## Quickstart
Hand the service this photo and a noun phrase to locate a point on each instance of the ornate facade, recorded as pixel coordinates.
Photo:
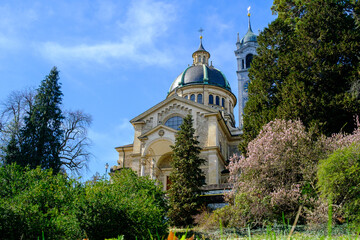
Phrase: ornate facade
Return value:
(202, 91)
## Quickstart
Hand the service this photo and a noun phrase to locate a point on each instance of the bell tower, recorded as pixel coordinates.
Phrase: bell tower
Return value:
(245, 50)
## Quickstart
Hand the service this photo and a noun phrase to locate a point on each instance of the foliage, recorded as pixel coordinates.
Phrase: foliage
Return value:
(36, 201)
(128, 205)
(276, 175)
(186, 177)
(74, 143)
(339, 179)
(306, 68)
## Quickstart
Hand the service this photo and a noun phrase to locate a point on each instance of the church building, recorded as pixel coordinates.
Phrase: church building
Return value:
(202, 91)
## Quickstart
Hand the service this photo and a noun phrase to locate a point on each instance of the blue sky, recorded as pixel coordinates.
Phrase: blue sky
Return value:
(117, 58)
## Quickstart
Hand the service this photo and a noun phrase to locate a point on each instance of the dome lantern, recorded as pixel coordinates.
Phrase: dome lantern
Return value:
(201, 56)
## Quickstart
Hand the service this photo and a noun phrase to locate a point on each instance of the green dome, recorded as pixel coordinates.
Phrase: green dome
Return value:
(200, 75)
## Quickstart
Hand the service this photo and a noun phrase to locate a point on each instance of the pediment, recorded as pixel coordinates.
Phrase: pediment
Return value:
(157, 129)
(184, 104)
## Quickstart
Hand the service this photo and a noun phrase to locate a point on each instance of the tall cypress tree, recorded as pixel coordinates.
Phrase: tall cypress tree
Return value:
(42, 133)
(307, 63)
(186, 176)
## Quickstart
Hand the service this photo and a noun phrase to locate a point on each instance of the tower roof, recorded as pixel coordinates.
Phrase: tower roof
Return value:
(250, 35)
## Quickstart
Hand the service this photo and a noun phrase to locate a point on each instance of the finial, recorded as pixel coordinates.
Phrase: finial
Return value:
(200, 31)
(238, 37)
(248, 11)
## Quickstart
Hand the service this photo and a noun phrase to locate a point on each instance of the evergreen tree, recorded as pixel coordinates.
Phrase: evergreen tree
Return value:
(307, 63)
(11, 152)
(186, 177)
(42, 132)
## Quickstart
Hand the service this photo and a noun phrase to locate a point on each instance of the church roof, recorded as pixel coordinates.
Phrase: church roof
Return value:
(201, 74)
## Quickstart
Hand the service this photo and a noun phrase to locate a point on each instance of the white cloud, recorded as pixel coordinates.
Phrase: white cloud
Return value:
(12, 23)
(215, 23)
(103, 52)
(145, 21)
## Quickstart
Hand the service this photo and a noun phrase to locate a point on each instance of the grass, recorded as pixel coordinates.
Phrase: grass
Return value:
(279, 232)
(269, 233)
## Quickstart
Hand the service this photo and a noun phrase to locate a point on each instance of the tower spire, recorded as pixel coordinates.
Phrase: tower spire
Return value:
(248, 9)
(201, 46)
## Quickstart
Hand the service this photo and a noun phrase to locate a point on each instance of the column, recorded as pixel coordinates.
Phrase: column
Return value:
(142, 169)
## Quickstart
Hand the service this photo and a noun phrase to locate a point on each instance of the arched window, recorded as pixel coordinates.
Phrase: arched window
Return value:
(174, 122)
(249, 59)
(192, 97)
(203, 59)
(217, 100)
(211, 99)
(199, 98)
(186, 97)
(223, 102)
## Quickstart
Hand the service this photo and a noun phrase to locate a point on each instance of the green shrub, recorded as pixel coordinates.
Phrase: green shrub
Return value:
(339, 179)
(128, 205)
(36, 201)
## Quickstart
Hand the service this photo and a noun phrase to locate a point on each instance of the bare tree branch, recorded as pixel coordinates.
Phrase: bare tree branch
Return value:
(74, 148)
(73, 151)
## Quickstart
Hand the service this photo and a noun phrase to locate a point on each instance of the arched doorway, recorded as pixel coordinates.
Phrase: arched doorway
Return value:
(164, 170)
(158, 154)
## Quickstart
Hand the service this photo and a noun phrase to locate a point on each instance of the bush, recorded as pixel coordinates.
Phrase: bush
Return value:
(128, 205)
(279, 173)
(275, 177)
(339, 179)
(36, 202)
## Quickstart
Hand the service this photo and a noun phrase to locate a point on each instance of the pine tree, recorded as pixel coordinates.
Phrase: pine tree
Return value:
(307, 62)
(11, 152)
(186, 177)
(42, 133)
